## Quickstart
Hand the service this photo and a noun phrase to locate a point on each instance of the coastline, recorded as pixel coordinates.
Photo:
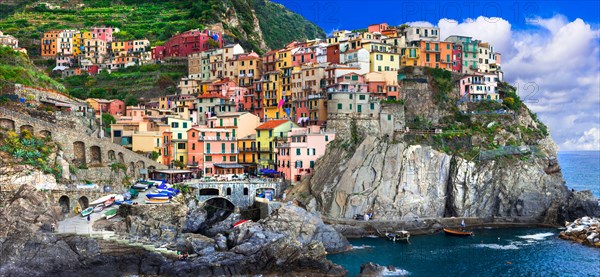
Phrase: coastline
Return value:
(350, 228)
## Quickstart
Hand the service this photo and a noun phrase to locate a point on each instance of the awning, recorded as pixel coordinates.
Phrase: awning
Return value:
(228, 166)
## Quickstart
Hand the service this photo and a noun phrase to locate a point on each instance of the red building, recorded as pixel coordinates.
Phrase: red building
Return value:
(116, 107)
(93, 69)
(189, 42)
(456, 57)
(333, 54)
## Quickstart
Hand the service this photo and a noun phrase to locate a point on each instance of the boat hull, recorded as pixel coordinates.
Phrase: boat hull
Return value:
(157, 201)
(457, 233)
(87, 212)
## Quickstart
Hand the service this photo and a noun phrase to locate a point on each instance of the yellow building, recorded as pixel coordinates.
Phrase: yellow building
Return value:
(118, 47)
(267, 136)
(284, 58)
(249, 68)
(410, 56)
(382, 58)
(247, 149)
(271, 89)
(179, 129)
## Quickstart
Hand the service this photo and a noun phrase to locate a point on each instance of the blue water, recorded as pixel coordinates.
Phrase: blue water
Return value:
(504, 252)
(491, 252)
(581, 170)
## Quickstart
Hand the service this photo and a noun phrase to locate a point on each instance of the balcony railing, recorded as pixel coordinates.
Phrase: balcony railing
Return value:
(210, 138)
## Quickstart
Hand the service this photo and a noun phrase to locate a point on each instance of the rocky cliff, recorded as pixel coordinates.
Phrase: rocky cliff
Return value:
(500, 167)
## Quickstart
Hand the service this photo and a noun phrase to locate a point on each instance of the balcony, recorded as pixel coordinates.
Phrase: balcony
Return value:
(315, 96)
(432, 50)
(446, 61)
(207, 138)
(307, 88)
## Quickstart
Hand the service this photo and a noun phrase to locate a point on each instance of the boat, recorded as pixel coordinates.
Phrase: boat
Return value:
(128, 202)
(102, 199)
(134, 193)
(110, 213)
(87, 211)
(140, 186)
(451, 232)
(99, 208)
(109, 202)
(241, 222)
(398, 236)
(162, 196)
(157, 201)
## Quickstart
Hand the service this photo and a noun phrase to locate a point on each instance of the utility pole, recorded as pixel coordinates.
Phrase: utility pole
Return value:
(101, 131)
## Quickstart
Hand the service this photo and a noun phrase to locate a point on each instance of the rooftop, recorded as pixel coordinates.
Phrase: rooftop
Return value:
(272, 124)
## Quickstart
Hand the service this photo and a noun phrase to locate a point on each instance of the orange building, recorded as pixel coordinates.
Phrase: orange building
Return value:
(435, 54)
(49, 43)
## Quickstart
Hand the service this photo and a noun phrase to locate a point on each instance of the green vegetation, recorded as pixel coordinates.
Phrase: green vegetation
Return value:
(15, 67)
(441, 83)
(118, 167)
(159, 20)
(30, 150)
(128, 84)
(511, 99)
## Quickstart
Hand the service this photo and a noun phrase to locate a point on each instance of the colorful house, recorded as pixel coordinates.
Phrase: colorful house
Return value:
(213, 151)
(241, 124)
(435, 54)
(267, 136)
(49, 43)
(479, 87)
(179, 128)
(248, 153)
(296, 157)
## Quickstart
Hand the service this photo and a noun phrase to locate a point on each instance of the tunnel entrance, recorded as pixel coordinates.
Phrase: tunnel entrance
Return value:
(217, 209)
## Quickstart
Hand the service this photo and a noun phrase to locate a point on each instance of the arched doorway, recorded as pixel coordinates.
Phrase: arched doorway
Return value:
(64, 203)
(111, 155)
(79, 152)
(84, 202)
(209, 191)
(8, 124)
(131, 169)
(46, 133)
(121, 158)
(96, 155)
(28, 128)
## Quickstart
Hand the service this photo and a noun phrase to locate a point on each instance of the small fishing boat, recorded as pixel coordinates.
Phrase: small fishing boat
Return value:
(162, 196)
(102, 199)
(451, 232)
(109, 202)
(140, 186)
(241, 222)
(398, 236)
(128, 202)
(110, 213)
(87, 211)
(157, 201)
(99, 208)
(134, 193)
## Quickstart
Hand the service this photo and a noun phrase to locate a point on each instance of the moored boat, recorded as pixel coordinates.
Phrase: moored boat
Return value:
(398, 236)
(87, 211)
(163, 196)
(110, 213)
(99, 208)
(109, 202)
(102, 199)
(452, 232)
(157, 201)
(241, 222)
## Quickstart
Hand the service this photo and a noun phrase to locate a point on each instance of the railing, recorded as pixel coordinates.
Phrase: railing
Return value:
(207, 138)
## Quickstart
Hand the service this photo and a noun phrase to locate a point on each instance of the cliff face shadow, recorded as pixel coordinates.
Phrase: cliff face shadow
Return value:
(217, 210)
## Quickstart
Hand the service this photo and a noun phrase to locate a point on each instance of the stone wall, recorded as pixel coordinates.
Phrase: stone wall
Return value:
(388, 121)
(79, 147)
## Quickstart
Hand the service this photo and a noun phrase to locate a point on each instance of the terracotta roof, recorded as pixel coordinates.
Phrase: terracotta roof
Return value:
(211, 95)
(272, 124)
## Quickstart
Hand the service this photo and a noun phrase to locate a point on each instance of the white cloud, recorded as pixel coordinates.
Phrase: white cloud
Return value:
(590, 140)
(556, 66)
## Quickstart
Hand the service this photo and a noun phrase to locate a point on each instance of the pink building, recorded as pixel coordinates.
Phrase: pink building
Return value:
(298, 155)
(213, 151)
(457, 53)
(377, 27)
(186, 43)
(105, 34)
(116, 107)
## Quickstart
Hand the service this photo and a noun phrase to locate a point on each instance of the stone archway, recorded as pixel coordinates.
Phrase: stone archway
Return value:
(26, 127)
(131, 169)
(79, 152)
(84, 202)
(140, 165)
(8, 124)
(209, 191)
(111, 155)
(46, 133)
(121, 158)
(96, 155)
(65, 204)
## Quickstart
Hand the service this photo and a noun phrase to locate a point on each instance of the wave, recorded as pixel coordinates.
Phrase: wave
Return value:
(498, 246)
(395, 272)
(357, 247)
(538, 236)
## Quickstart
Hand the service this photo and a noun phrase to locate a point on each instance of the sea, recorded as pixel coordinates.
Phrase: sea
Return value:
(492, 251)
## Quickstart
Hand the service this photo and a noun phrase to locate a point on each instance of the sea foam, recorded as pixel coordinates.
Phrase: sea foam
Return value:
(396, 272)
(358, 247)
(498, 246)
(538, 236)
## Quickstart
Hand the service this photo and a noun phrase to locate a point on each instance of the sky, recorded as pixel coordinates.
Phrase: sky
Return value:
(550, 49)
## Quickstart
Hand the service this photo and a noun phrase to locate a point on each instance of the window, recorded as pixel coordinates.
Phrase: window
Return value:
(389, 117)
(359, 108)
(233, 148)
(208, 148)
(179, 136)
(326, 138)
(174, 125)
(312, 164)
(224, 158)
(235, 122)
(209, 158)
(193, 146)
(354, 77)
(339, 106)
(298, 152)
(245, 191)
(270, 133)
(223, 148)
(181, 146)
(221, 122)
(184, 125)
